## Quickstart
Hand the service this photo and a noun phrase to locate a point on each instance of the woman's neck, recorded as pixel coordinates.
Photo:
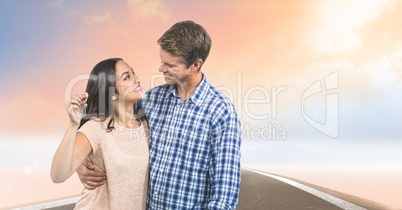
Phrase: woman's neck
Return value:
(124, 116)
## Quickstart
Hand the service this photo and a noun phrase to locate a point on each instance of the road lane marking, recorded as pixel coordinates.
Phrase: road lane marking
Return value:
(327, 197)
(50, 204)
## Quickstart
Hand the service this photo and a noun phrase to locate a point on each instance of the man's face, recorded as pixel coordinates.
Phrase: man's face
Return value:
(174, 71)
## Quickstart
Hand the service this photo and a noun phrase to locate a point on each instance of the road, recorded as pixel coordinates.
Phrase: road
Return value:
(263, 191)
(259, 192)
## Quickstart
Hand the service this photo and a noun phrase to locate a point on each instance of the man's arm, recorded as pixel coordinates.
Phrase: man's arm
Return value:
(89, 176)
(225, 163)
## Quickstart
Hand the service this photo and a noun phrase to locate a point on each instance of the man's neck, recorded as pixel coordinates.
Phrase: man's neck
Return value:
(186, 89)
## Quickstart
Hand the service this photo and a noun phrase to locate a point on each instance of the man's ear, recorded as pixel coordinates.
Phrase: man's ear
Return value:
(197, 65)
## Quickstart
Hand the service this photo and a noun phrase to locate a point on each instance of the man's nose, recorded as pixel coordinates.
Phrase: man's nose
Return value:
(162, 68)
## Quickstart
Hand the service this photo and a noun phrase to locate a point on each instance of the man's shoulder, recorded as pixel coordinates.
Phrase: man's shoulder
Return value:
(219, 99)
(159, 89)
(158, 92)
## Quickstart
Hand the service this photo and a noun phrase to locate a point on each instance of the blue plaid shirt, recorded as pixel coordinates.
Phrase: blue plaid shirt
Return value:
(194, 149)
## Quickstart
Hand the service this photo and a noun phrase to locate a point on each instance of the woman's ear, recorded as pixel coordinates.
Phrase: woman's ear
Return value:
(114, 98)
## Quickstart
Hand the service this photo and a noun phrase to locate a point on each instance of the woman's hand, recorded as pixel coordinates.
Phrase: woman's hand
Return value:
(74, 147)
(76, 106)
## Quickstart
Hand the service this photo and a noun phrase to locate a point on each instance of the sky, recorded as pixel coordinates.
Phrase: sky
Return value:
(319, 81)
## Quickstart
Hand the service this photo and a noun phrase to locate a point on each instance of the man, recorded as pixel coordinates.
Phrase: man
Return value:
(195, 132)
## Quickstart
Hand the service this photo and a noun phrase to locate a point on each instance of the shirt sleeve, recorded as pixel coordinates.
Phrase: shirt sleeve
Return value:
(225, 162)
(92, 130)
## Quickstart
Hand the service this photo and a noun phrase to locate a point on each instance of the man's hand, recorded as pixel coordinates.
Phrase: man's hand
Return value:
(90, 176)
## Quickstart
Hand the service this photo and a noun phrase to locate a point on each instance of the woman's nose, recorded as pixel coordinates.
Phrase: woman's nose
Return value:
(136, 79)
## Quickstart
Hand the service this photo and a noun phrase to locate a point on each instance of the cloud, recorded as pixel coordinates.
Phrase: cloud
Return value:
(396, 64)
(339, 23)
(59, 4)
(146, 9)
(382, 73)
(98, 19)
(55, 3)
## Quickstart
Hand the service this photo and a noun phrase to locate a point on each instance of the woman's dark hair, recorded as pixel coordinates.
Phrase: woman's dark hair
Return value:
(100, 88)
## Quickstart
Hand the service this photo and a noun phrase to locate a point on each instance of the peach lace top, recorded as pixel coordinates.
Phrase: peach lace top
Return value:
(124, 154)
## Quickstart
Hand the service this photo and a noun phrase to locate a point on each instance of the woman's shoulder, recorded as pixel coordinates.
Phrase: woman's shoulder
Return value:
(94, 124)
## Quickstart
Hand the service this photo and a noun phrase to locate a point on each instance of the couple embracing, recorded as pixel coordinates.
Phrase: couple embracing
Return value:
(177, 146)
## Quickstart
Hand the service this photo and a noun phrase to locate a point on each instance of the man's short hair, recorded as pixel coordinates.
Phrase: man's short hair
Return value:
(187, 40)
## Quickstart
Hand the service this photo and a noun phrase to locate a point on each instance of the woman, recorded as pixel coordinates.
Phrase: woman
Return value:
(109, 135)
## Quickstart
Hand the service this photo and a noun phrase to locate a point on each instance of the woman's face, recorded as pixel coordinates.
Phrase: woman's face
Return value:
(127, 84)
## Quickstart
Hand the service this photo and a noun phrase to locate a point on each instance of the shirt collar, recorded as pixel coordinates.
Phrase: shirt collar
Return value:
(197, 96)
(171, 91)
